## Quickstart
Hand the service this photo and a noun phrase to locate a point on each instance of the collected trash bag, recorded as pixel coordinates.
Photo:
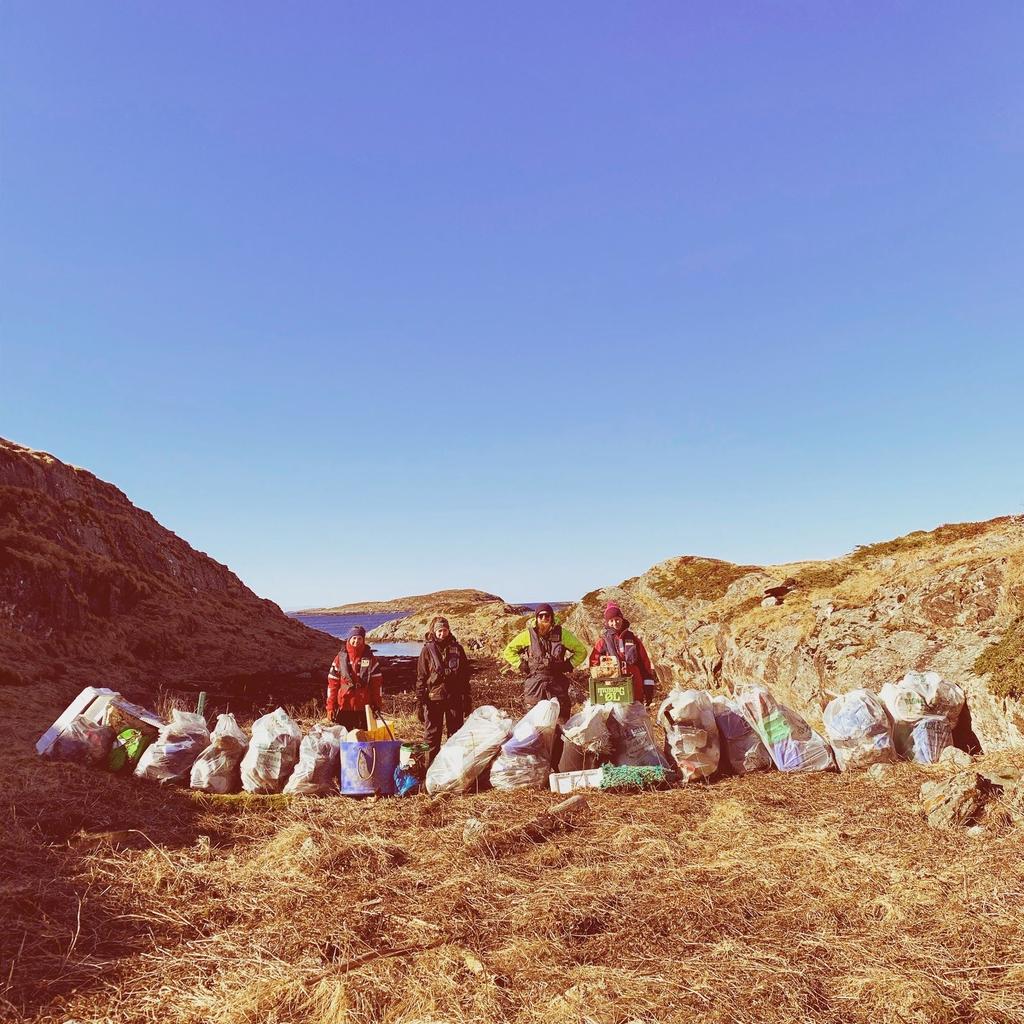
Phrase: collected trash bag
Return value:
(521, 771)
(691, 735)
(272, 754)
(469, 752)
(317, 772)
(741, 748)
(923, 693)
(168, 760)
(216, 769)
(587, 739)
(858, 729)
(83, 741)
(535, 731)
(633, 741)
(793, 745)
(923, 741)
(525, 758)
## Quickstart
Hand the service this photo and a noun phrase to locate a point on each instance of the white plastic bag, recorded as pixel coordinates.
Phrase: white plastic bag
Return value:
(83, 741)
(691, 735)
(525, 758)
(316, 774)
(793, 745)
(633, 741)
(919, 694)
(923, 741)
(273, 751)
(742, 748)
(170, 758)
(216, 769)
(587, 740)
(468, 753)
(858, 729)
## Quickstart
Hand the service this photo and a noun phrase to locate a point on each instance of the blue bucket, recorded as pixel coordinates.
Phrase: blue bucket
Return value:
(369, 768)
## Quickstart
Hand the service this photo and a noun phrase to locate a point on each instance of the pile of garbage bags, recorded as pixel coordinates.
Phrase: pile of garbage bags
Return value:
(704, 735)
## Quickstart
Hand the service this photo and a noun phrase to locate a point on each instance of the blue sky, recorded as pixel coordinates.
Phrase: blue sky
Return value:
(370, 299)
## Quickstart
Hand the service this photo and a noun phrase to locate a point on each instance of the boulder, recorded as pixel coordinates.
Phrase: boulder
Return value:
(953, 802)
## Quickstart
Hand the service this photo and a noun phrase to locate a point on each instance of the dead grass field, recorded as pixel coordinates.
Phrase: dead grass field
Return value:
(767, 898)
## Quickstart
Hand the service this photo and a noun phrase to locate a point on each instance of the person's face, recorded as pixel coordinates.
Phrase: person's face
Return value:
(544, 620)
(441, 631)
(356, 643)
(617, 622)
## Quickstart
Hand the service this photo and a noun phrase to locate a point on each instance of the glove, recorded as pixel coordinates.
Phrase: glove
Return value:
(421, 713)
(524, 666)
(649, 686)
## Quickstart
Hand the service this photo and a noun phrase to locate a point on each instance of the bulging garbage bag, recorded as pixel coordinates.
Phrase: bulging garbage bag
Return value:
(793, 745)
(742, 749)
(525, 758)
(317, 772)
(521, 771)
(691, 735)
(923, 693)
(923, 741)
(535, 731)
(216, 769)
(169, 759)
(469, 752)
(858, 729)
(83, 741)
(633, 741)
(587, 740)
(272, 754)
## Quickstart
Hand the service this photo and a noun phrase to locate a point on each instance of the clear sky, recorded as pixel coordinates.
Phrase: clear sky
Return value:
(371, 299)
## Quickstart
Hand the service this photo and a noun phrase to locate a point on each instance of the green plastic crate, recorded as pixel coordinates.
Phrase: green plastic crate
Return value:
(618, 690)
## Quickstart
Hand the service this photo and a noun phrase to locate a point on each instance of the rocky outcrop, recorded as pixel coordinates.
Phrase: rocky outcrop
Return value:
(948, 600)
(95, 591)
(483, 628)
(457, 600)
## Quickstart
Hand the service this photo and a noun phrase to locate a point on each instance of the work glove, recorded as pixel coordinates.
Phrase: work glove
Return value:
(421, 713)
(649, 687)
(524, 666)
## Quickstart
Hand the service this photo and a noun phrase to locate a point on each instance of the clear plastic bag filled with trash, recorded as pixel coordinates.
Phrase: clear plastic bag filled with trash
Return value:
(525, 758)
(742, 749)
(216, 769)
(858, 728)
(169, 759)
(317, 771)
(470, 751)
(273, 753)
(691, 735)
(793, 745)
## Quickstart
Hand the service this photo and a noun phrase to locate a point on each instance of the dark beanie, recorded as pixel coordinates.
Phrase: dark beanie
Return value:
(356, 631)
(545, 608)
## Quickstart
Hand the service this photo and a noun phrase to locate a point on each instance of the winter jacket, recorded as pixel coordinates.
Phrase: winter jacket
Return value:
(442, 674)
(529, 647)
(634, 660)
(351, 686)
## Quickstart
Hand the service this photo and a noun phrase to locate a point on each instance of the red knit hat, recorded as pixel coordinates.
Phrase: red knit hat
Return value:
(612, 611)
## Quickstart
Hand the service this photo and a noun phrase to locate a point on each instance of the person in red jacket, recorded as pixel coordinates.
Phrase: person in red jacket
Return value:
(619, 640)
(354, 682)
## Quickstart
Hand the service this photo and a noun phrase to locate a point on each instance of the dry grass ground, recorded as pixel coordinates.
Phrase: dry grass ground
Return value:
(767, 898)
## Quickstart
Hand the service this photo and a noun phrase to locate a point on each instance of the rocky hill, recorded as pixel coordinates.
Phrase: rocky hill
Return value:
(458, 600)
(95, 591)
(950, 600)
(483, 628)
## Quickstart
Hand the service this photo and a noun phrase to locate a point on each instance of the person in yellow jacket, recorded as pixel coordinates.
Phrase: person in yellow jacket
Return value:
(546, 653)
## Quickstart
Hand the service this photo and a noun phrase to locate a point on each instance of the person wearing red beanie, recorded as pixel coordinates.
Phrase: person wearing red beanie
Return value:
(620, 641)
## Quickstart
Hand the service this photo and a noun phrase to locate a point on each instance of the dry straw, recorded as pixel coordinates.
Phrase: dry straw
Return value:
(761, 899)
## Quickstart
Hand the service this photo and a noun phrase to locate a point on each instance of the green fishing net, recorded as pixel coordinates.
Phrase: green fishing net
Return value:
(628, 776)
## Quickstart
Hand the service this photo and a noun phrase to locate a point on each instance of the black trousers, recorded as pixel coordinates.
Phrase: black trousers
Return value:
(542, 687)
(441, 715)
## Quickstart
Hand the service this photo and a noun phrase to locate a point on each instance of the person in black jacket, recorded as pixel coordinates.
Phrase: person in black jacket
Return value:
(442, 684)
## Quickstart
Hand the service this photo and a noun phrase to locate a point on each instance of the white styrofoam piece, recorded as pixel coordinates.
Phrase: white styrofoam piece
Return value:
(566, 782)
(91, 702)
